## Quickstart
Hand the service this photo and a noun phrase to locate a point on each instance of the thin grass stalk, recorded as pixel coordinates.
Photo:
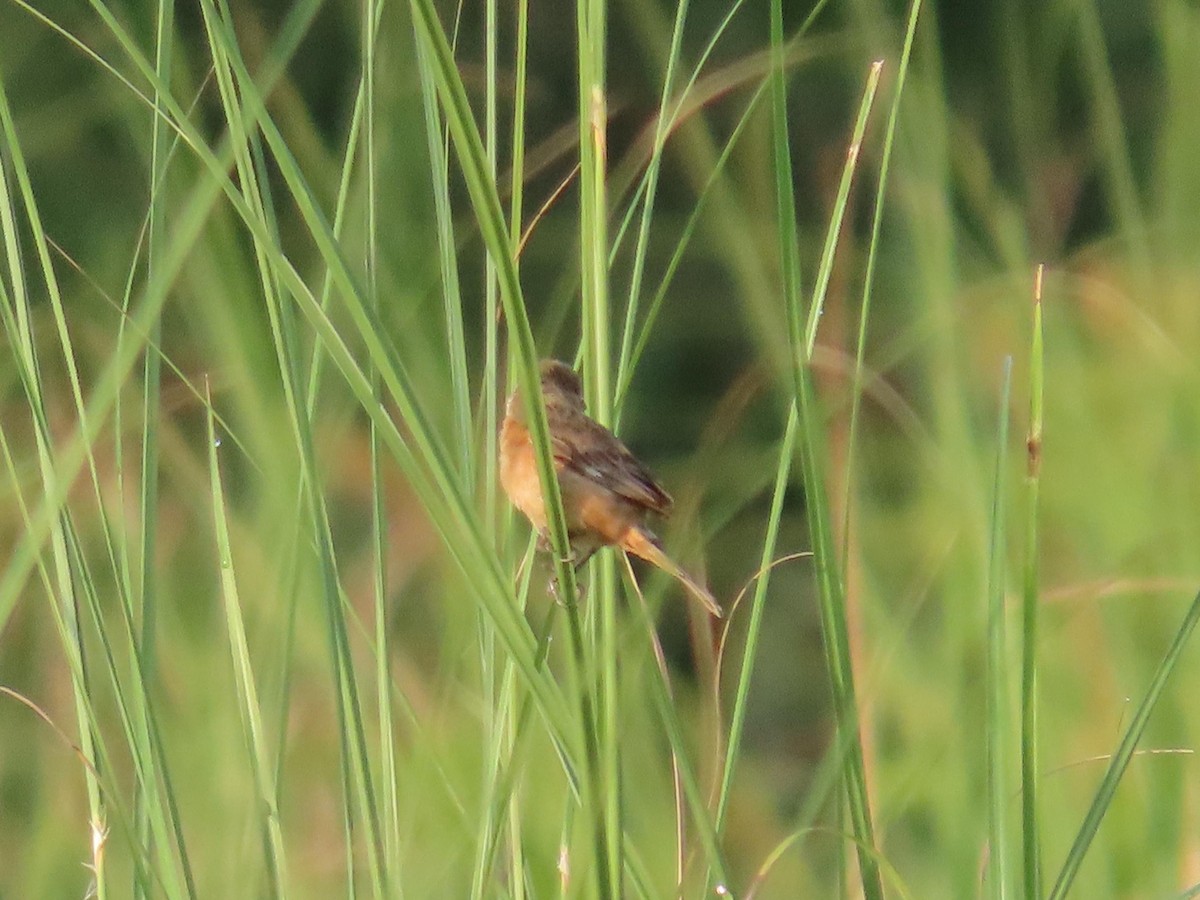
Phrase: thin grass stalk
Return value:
(249, 708)
(649, 191)
(151, 387)
(664, 675)
(697, 93)
(741, 695)
(345, 182)
(99, 834)
(831, 595)
(100, 837)
(174, 876)
(831, 591)
(664, 125)
(507, 775)
(315, 369)
(1123, 754)
(487, 208)
(593, 215)
(75, 453)
(41, 247)
(390, 802)
(495, 718)
(189, 222)
(714, 180)
(885, 165)
(997, 723)
(512, 743)
(88, 52)
(419, 452)
(434, 485)
(593, 237)
(452, 312)
(816, 309)
(1030, 828)
(688, 779)
(356, 767)
(591, 789)
(825, 266)
(686, 234)
(63, 595)
(500, 809)
(317, 358)
(147, 587)
(136, 713)
(514, 727)
(356, 763)
(820, 290)
(92, 749)
(632, 349)
(516, 187)
(491, 286)
(106, 386)
(221, 49)
(737, 248)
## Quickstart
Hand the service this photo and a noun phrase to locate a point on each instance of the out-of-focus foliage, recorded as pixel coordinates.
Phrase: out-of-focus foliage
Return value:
(1057, 133)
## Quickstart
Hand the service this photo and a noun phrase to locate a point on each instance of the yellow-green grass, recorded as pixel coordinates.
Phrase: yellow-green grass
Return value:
(267, 627)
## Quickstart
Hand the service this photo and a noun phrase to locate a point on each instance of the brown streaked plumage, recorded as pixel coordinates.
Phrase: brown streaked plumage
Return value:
(607, 493)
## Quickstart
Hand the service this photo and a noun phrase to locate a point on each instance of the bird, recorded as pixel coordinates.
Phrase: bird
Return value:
(607, 492)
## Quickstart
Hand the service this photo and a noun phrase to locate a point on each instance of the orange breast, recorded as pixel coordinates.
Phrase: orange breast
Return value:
(518, 473)
(595, 514)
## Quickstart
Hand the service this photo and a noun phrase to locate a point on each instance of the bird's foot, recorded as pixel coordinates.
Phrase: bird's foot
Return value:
(555, 589)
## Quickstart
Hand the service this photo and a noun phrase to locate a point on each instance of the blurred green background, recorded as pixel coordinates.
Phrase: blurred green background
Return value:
(1062, 133)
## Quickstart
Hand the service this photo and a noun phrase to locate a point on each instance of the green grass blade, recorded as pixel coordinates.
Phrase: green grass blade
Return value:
(686, 772)
(605, 789)
(831, 591)
(356, 766)
(648, 190)
(741, 695)
(452, 310)
(998, 729)
(1031, 831)
(76, 586)
(1123, 754)
(254, 732)
(482, 190)
(873, 245)
(825, 266)
(388, 761)
(424, 461)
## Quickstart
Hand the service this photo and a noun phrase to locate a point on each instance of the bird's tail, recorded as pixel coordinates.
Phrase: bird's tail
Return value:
(641, 543)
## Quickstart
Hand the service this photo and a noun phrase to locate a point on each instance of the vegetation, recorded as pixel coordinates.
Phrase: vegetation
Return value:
(899, 302)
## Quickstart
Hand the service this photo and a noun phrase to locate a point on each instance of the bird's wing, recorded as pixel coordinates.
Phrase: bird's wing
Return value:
(599, 456)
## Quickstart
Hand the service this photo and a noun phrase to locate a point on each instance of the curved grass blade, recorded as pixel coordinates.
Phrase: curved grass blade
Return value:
(1122, 756)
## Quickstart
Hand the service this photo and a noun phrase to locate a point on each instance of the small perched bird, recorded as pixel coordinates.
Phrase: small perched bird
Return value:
(606, 491)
